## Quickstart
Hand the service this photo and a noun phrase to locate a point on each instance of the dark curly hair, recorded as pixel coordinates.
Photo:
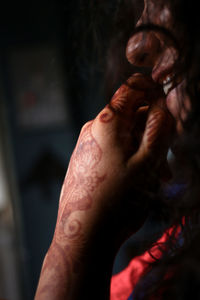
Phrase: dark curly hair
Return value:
(181, 257)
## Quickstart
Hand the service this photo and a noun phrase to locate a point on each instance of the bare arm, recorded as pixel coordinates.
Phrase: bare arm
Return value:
(96, 213)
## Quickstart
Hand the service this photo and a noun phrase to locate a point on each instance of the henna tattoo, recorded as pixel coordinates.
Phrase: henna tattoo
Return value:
(120, 98)
(81, 181)
(72, 229)
(56, 268)
(153, 129)
(153, 119)
(107, 116)
(131, 95)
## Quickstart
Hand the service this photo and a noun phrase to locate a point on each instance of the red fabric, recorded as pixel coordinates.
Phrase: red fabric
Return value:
(123, 283)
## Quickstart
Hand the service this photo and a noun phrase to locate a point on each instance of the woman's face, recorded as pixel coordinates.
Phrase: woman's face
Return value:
(156, 50)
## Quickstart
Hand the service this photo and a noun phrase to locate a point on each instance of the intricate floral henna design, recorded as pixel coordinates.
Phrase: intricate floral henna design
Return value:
(56, 259)
(120, 98)
(81, 180)
(72, 228)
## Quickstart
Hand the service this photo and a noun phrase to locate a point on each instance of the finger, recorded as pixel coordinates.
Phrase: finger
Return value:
(137, 91)
(138, 127)
(156, 138)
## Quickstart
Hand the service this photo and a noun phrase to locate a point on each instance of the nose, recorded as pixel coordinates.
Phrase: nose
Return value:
(143, 49)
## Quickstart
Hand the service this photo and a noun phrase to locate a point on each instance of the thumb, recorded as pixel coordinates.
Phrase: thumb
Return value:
(157, 136)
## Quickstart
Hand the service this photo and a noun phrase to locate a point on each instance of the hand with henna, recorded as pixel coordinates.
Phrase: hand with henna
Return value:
(118, 159)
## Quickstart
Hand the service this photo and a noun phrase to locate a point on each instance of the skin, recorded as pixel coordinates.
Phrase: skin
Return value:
(105, 173)
(153, 49)
(102, 200)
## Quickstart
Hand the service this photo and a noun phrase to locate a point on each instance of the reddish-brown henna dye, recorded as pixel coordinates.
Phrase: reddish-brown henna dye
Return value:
(152, 123)
(51, 272)
(120, 98)
(119, 103)
(153, 129)
(107, 116)
(151, 140)
(73, 228)
(129, 96)
(81, 180)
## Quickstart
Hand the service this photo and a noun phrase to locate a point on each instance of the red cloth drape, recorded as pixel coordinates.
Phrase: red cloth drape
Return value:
(123, 283)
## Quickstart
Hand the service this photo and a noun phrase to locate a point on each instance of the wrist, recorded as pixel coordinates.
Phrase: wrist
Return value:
(99, 226)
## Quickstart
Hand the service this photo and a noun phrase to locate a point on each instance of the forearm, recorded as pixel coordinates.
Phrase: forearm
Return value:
(80, 269)
(99, 206)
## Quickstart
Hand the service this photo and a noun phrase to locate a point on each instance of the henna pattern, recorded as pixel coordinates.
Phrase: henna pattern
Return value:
(153, 129)
(82, 179)
(72, 229)
(132, 95)
(76, 195)
(153, 119)
(120, 98)
(56, 259)
(107, 116)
